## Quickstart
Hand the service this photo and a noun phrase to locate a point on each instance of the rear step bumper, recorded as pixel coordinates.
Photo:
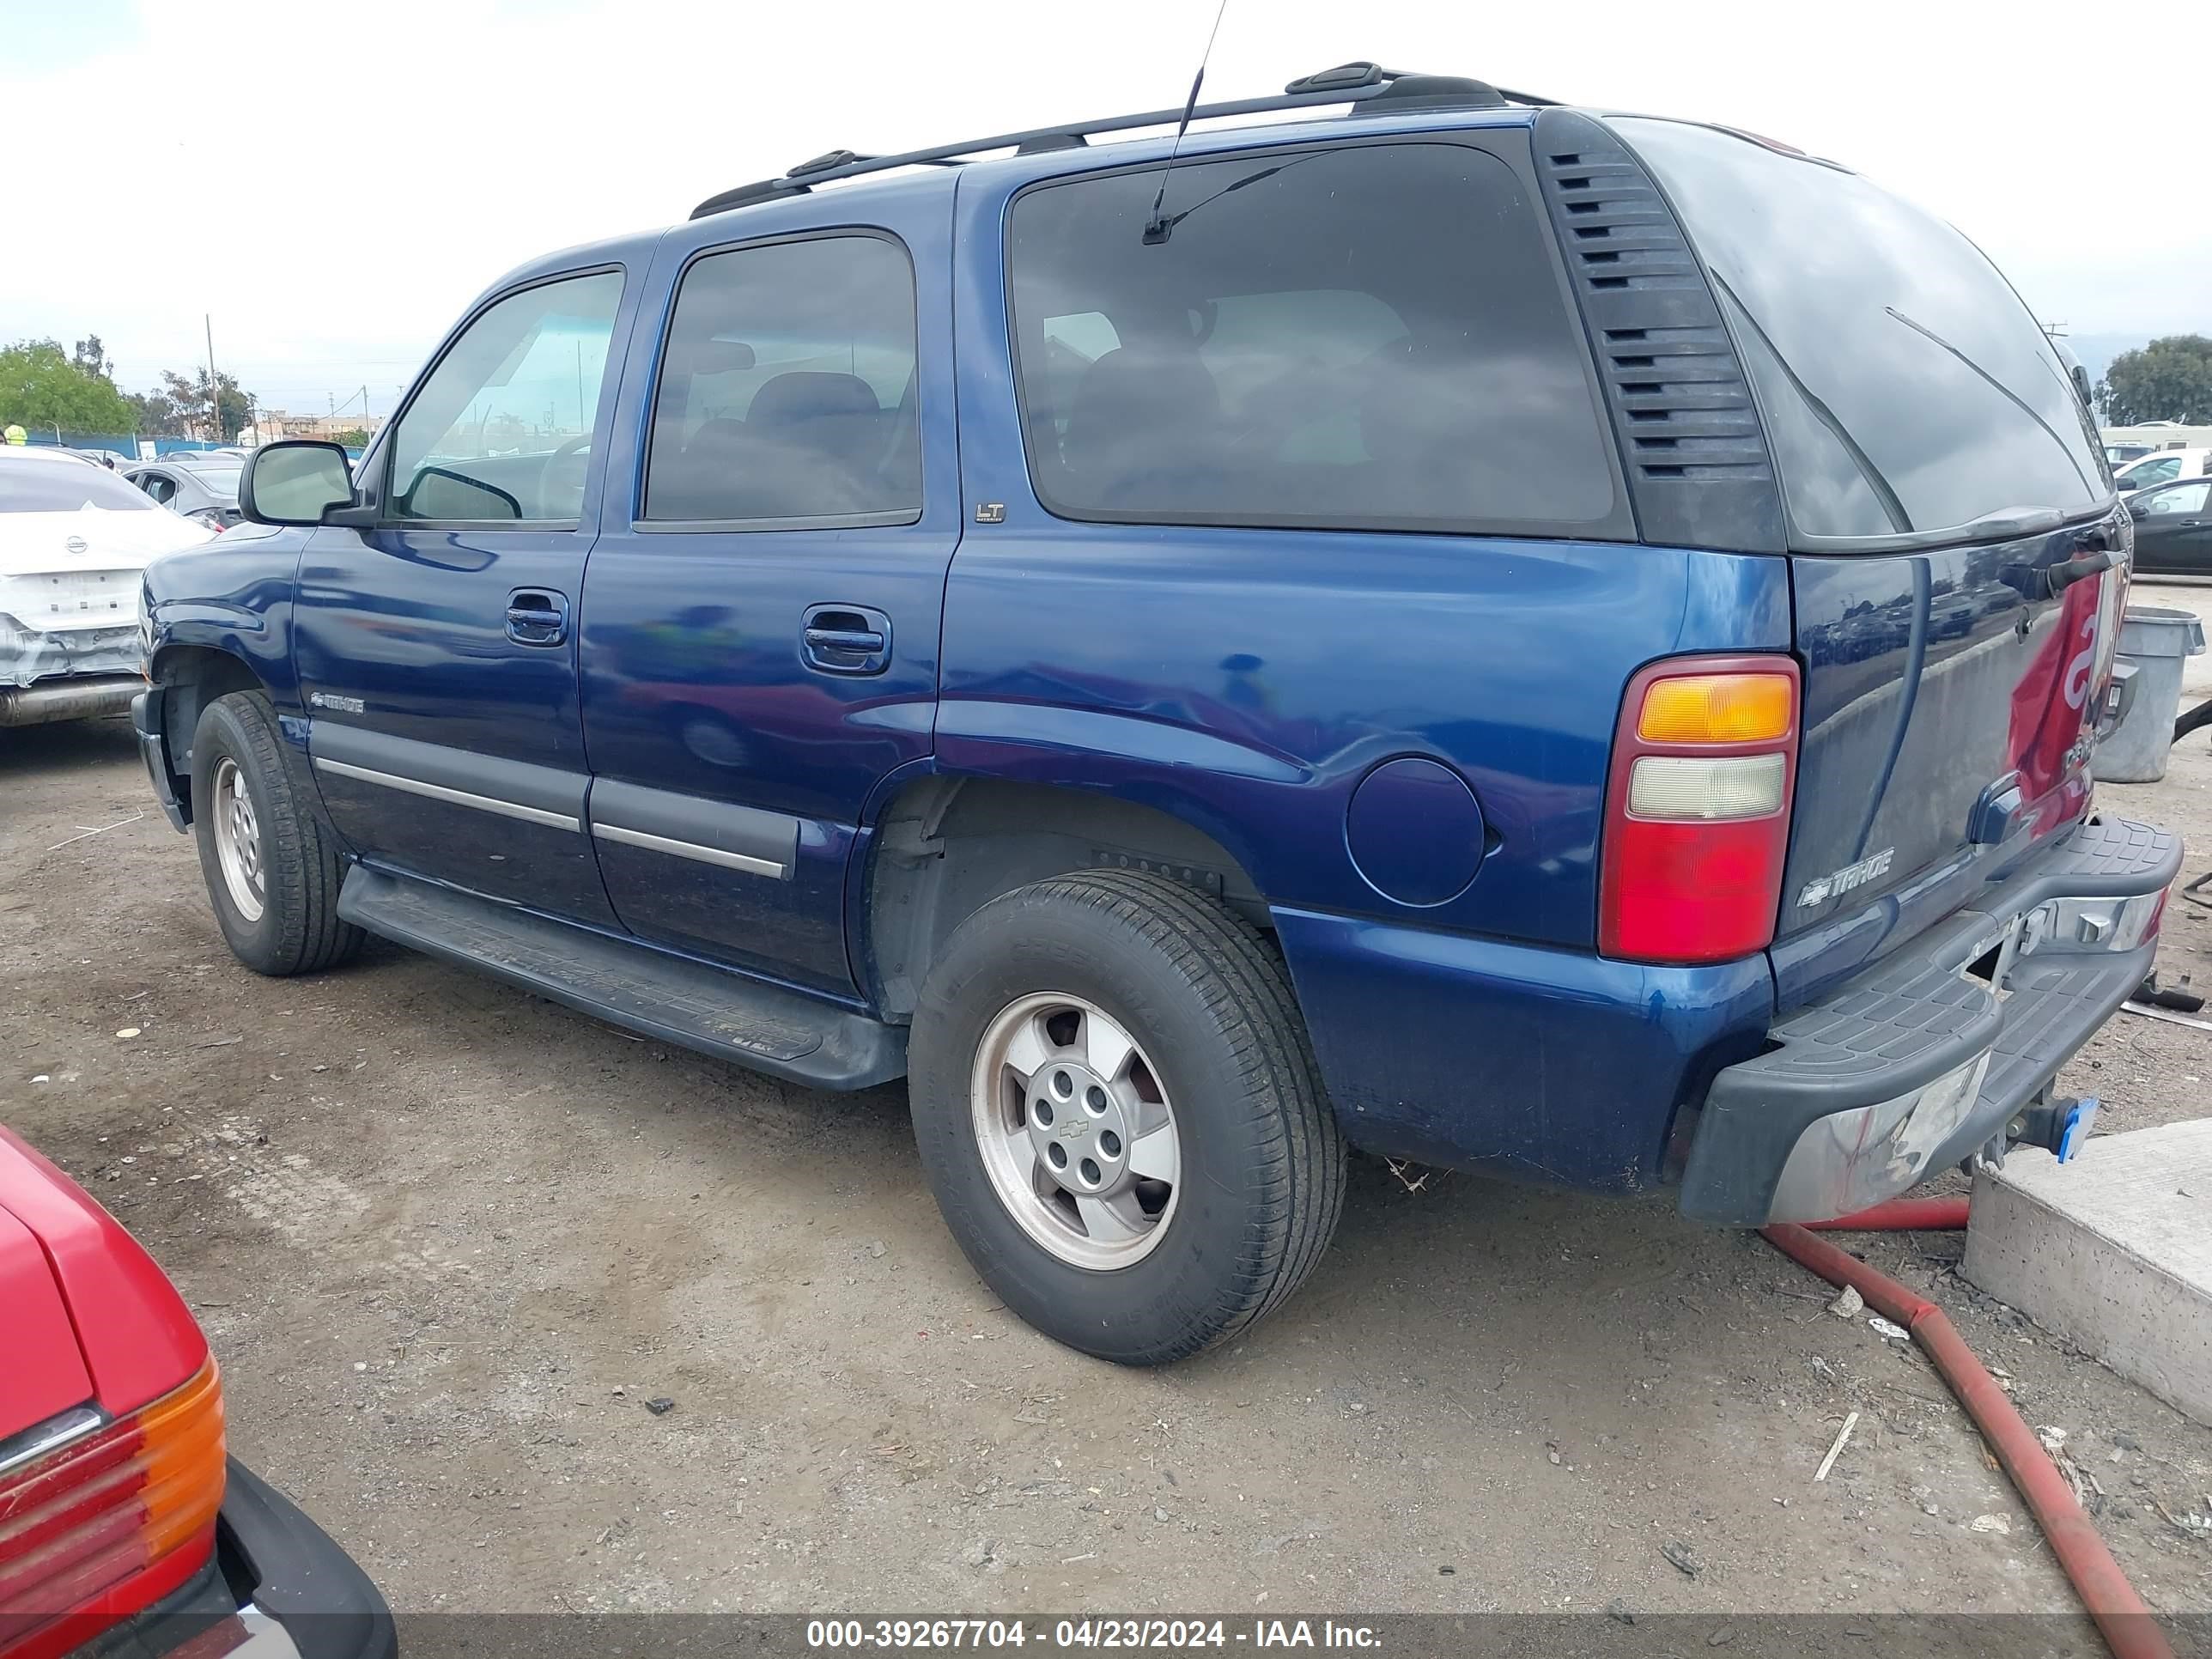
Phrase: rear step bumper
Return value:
(1925, 1058)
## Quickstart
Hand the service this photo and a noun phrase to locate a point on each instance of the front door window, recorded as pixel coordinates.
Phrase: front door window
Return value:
(501, 430)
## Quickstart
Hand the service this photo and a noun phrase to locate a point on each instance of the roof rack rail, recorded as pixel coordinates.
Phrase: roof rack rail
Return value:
(1354, 83)
(823, 163)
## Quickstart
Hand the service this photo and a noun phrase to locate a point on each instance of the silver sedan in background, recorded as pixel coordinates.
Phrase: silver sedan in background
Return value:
(202, 486)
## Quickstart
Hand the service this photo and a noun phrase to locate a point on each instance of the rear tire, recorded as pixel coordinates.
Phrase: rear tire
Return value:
(1200, 1184)
(272, 871)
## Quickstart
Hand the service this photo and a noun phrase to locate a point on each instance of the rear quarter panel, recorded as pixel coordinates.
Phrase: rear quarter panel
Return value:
(1247, 680)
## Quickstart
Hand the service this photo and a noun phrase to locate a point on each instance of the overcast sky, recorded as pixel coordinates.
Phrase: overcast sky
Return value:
(335, 183)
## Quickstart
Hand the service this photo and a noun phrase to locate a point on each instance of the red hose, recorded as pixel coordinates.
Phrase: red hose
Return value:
(1901, 1215)
(2130, 1629)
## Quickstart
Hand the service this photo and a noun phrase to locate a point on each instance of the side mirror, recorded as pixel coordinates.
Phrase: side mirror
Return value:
(296, 481)
(438, 493)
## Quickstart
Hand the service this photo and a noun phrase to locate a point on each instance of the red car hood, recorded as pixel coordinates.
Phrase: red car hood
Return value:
(90, 1316)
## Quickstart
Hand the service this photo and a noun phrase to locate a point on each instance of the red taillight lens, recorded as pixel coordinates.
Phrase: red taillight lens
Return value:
(82, 1528)
(1697, 810)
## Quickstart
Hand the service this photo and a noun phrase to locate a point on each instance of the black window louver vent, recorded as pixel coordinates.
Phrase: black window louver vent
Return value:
(1689, 430)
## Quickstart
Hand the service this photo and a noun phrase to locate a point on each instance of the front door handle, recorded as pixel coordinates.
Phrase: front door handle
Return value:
(845, 639)
(537, 615)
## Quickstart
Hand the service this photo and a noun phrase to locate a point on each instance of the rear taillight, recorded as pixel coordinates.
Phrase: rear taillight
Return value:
(1697, 810)
(99, 1529)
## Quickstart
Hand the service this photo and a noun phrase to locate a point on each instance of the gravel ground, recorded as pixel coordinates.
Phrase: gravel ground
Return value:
(449, 1241)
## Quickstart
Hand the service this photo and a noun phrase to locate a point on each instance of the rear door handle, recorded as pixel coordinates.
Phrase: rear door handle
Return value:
(537, 615)
(845, 639)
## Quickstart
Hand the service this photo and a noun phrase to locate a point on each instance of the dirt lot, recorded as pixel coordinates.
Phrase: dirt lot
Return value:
(448, 1240)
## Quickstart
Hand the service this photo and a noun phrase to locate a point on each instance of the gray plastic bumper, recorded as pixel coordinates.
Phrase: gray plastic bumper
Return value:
(1921, 1060)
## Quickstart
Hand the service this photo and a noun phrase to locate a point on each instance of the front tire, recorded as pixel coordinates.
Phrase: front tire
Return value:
(1117, 1109)
(272, 872)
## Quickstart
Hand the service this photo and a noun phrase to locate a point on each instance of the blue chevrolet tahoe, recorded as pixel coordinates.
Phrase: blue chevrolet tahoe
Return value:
(1554, 642)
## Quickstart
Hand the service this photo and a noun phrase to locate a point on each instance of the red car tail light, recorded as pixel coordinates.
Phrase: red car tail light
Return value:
(1697, 818)
(91, 1532)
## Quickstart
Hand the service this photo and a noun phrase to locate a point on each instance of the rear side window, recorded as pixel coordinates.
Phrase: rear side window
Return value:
(1372, 338)
(787, 389)
(1906, 388)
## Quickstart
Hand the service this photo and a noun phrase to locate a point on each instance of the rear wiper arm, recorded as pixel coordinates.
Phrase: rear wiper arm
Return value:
(2002, 390)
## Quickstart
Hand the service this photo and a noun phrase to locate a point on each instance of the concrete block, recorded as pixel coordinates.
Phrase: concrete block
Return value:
(2112, 1251)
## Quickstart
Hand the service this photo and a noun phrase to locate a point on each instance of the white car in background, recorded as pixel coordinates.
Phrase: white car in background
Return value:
(74, 538)
(2162, 466)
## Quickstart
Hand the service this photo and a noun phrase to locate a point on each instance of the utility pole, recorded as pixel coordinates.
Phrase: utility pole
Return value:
(215, 394)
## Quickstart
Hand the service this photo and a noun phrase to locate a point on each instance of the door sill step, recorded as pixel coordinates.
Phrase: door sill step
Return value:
(763, 1027)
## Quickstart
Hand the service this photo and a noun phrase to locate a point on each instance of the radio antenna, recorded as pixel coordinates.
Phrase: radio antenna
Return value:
(1159, 227)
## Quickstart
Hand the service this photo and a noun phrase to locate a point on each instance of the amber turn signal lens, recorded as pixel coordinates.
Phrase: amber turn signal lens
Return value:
(1716, 708)
(183, 1455)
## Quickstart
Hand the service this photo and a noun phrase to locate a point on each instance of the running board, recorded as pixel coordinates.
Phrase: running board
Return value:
(635, 986)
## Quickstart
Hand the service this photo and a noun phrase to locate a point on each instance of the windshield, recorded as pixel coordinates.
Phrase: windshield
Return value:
(1906, 388)
(43, 486)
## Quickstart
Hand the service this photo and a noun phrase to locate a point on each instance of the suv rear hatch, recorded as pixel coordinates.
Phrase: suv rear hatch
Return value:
(1950, 517)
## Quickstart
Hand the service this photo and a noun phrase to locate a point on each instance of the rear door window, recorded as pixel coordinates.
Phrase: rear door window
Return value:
(1366, 337)
(1906, 388)
(787, 389)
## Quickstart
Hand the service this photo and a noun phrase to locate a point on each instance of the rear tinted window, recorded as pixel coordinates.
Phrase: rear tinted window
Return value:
(787, 389)
(43, 486)
(1906, 387)
(1366, 337)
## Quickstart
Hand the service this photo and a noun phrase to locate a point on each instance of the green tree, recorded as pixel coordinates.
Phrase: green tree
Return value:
(2168, 379)
(188, 396)
(354, 437)
(42, 385)
(157, 417)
